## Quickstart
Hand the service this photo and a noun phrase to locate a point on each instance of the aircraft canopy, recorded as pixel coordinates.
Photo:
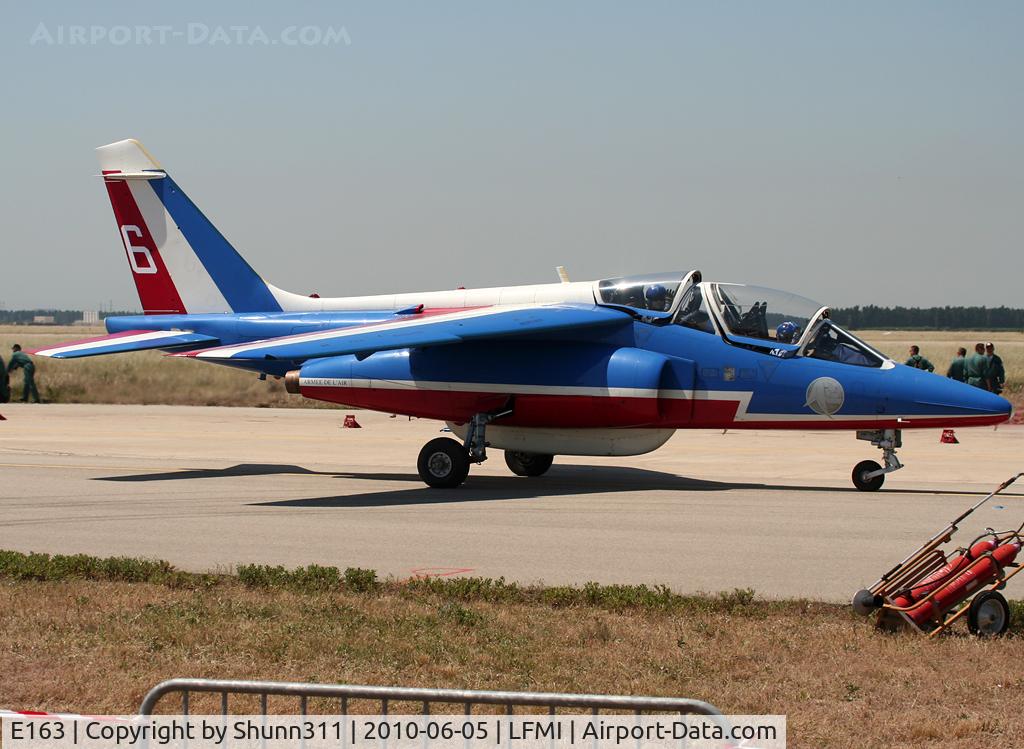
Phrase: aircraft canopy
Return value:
(655, 292)
(757, 312)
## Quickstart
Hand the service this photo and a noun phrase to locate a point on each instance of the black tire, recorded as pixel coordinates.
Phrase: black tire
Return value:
(867, 485)
(443, 463)
(989, 615)
(528, 464)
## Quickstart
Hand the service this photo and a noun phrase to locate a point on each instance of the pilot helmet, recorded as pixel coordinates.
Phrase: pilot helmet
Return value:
(655, 293)
(786, 332)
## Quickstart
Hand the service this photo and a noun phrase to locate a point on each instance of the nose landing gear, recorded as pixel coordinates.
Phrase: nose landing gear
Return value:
(868, 476)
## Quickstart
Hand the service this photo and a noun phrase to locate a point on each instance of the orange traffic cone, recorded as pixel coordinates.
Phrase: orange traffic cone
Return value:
(351, 423)
(948, 437)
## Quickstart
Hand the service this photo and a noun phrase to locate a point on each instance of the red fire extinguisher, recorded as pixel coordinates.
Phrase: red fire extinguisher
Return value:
(980, 572)
(941, 575)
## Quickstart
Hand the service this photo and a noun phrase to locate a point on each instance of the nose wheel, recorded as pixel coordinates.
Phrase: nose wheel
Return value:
(862, 471)
(868, 476)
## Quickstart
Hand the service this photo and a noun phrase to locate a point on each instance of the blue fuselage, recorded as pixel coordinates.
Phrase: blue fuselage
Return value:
(641, 374)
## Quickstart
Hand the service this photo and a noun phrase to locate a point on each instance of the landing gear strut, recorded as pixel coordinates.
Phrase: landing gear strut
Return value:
(868, 476)
(476, 445)
(444, 463)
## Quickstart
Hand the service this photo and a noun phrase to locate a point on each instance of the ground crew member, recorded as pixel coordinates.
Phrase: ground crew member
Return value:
(20, 360)
(5, 383)
(956, 369)
(976, 367)
(996, 373)
(917, 361)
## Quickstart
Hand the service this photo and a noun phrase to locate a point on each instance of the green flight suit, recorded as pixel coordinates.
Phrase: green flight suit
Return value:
(5, 383)
(976, 369)
(996, 373)
(957, 369)
(20, 360)
(919, 362)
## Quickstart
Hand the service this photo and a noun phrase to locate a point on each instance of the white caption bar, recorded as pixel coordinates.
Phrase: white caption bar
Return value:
(394, 732)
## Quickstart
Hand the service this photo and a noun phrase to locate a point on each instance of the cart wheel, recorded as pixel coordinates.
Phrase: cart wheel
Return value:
(861, 470)
(989, 615)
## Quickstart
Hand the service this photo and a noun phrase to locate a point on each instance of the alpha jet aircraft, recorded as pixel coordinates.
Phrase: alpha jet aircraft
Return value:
(610, 367)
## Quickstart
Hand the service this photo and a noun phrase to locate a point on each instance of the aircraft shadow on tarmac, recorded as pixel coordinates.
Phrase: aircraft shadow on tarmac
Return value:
(242, 469)
(562, 480)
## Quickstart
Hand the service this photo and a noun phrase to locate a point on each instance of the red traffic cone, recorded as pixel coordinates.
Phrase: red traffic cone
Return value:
(948, 437)
(351, 423)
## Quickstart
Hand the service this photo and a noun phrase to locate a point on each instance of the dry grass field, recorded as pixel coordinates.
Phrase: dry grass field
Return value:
(97, 646)
(146, 377)
(152, 378)
(939, 347)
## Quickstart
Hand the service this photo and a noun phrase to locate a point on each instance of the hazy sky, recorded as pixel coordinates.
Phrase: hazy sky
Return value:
(866, 152)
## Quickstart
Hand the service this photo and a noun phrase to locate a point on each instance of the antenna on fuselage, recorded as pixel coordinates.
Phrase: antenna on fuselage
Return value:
(563, 275)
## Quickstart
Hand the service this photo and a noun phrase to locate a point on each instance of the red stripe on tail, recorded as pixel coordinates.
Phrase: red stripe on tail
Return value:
(156, 288)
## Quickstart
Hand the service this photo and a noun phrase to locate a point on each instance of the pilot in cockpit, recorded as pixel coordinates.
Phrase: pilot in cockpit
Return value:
(787, 332)
(831, 345)
(656, 296)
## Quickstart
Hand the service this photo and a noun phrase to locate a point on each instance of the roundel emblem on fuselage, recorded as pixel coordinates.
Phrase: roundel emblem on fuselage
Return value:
(825, 396)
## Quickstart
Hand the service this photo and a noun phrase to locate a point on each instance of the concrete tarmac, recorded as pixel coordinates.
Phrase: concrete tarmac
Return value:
(208, 488)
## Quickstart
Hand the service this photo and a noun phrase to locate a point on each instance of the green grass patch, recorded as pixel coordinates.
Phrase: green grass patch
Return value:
(46, 567)
(312, 579)
(448, 594)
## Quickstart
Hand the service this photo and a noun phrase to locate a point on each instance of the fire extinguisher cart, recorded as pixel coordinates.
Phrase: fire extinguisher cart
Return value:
(932, 588)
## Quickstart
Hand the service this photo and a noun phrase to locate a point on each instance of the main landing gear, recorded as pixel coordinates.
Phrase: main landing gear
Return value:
(444, 462)
(528, 464)
(868, 476)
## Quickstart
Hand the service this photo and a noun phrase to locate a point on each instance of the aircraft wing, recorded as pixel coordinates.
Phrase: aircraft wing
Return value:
(129, 340)
(428, 330)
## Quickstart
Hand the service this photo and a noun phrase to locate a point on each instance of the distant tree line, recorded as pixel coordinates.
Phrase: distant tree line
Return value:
(930, 318)
(60, 316)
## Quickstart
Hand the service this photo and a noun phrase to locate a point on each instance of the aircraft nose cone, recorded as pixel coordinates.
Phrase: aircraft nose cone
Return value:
(958, 398)
(983, 400)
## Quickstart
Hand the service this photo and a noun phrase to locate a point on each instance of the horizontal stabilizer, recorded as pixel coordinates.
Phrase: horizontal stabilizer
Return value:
(129, 340)
(487, 323)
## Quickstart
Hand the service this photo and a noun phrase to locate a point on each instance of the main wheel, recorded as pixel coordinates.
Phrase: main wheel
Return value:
(989, 614)
(443, 463)
(528, 464)
(861, 470)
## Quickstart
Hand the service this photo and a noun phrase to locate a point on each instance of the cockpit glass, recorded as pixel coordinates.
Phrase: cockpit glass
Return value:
(692, 312)
(832, 343)
(757, 312)
(656, 292)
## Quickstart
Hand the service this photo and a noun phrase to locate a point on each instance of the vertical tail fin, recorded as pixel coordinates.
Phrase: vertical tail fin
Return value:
(180, 262)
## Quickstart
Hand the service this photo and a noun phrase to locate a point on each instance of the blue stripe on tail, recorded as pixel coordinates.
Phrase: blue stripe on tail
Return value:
(241, 286)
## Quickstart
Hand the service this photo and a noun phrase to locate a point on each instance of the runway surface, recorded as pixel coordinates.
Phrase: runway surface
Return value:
(208, 488)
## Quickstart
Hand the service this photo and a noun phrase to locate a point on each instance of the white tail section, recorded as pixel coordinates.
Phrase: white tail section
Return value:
(178, 259)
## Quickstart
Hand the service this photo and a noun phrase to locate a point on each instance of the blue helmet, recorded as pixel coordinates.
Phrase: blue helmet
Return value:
(786, 332)
(655, 292)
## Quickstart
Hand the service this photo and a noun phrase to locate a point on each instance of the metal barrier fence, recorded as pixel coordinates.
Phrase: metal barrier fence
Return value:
(385, 695)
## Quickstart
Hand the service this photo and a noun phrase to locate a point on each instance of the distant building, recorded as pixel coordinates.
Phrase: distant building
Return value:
(90, 317)
(43, 320)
